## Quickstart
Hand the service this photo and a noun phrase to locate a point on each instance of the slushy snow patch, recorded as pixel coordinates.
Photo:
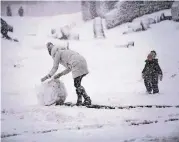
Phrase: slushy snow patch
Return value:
(51, 92)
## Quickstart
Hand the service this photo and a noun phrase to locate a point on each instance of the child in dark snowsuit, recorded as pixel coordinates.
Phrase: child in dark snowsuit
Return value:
(151, 73)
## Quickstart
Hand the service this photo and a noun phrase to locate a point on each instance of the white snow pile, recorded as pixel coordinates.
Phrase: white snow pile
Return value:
(145, 22)
(51, 92)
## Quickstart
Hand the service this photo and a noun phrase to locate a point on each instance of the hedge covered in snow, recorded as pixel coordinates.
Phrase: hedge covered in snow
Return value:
(175, 11)
(126, 11)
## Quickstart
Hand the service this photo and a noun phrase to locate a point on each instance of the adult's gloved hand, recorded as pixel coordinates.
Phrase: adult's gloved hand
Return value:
(45, 78)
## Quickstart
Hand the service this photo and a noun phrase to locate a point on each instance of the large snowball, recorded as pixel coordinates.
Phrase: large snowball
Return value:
(52, 92)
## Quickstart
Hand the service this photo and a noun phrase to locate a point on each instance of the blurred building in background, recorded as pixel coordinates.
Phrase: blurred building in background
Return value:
(40, 8)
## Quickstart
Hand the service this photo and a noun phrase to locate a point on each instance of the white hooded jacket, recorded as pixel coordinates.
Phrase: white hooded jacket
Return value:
(72, 60)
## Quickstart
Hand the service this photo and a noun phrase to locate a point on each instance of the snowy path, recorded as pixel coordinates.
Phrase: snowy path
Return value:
(36, 121)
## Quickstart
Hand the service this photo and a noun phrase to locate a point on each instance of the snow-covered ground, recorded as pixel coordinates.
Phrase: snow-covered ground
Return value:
(114, 79)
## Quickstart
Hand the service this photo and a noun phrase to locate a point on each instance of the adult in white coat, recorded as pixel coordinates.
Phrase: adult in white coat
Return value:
(73, 62)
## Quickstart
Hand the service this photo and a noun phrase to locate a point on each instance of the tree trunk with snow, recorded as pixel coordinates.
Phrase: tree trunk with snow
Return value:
(98, 28)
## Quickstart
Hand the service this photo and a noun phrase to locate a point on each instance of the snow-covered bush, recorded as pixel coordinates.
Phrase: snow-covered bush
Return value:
(65, 32)
(143, 23)
(52, 92)
(56, 33)
(149, 21)
(136, 27)
(74, 36)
